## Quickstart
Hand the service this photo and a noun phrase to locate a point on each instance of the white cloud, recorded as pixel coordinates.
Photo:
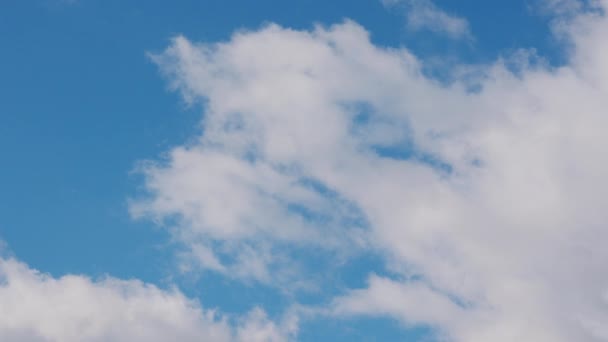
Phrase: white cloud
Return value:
(38, 307)
(425, 15)
(510, 238)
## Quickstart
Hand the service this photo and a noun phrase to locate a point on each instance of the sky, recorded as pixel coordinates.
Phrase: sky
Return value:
(370, 170)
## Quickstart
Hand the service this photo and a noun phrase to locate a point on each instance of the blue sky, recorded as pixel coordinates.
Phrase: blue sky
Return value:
(84, 102)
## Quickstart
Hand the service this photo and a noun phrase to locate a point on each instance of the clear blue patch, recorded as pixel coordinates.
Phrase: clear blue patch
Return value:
(362, 329)
(233, 296)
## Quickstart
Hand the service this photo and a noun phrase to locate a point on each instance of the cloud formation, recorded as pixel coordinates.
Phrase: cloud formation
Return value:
(35, 307)
(486, 196)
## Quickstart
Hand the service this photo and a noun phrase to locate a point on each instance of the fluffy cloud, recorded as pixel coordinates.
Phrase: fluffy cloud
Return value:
(37, 307)
(488, 204)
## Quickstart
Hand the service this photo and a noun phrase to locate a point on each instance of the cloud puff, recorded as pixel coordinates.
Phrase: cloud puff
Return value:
(488, 205)
(425, 15)
(38, 307)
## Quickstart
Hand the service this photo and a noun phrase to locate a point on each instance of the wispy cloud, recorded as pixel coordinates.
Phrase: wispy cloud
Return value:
(425, 15)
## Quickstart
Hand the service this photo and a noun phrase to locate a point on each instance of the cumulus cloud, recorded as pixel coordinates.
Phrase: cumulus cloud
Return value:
(38, 307)
(425, 15)
(488, 205)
